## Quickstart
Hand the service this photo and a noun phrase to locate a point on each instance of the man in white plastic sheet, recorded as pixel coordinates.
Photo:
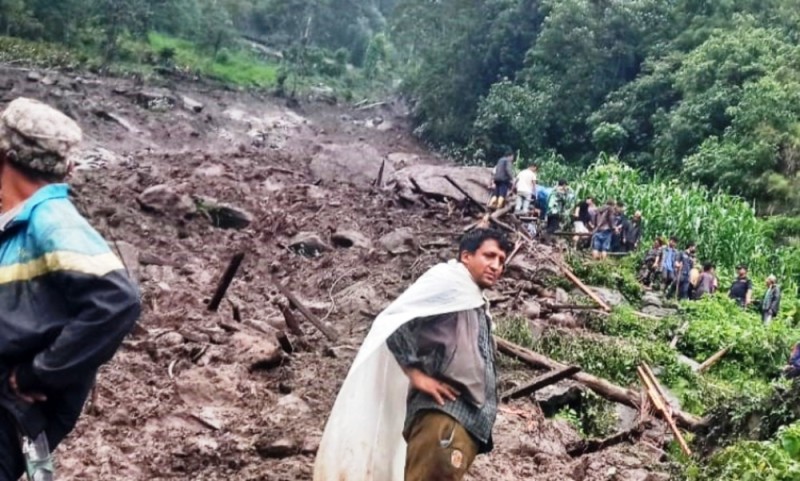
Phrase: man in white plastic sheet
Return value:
(420, 401)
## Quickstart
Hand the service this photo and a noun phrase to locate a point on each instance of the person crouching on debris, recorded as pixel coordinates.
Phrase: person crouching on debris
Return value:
(67, 301)
(420, 401)
(503, 177)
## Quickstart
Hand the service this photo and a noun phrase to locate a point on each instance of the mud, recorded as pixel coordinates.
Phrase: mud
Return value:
(187, 397)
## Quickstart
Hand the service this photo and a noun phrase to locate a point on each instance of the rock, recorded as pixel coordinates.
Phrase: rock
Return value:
(164, 199)
(34, 76)
(257, 351)
(356, 164)
(537, 328)
(531, 309)
(155, 99)
(280, 448)
(226, 216)
(554, 397)
(350, 238)
(150, 259)
(627, 417)
(431, 181)
(95, 158)
(308, 244)
(192, 336)
(209, 170)
(660, 312)
(358, 297)
(402, 159)
(561, 296)
(635, 475)
(120, 90)
(564, 319)
(651, 298)
(610, 296)
(49, 81)
(191, 104)
(687, 361)
(129, 254)
(310, 444)
(399, 241)
(170, 339)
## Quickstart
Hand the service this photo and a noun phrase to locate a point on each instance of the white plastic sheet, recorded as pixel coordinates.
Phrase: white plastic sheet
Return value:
(363, 439)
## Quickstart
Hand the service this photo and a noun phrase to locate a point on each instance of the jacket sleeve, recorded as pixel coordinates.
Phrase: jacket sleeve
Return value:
(776, 301)
(404, 346)
(103, 305)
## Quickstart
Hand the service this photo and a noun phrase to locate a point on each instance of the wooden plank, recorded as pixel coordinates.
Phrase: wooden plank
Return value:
(544, 380)
(225, 281)
(602, 387)
(656, 395)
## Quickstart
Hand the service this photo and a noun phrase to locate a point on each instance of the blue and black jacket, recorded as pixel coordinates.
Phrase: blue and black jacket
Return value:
(66, 303)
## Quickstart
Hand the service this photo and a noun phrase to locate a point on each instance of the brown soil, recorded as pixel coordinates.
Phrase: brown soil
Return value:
(181, 399)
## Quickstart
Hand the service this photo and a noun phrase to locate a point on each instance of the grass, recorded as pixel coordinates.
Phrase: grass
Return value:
(235, 68)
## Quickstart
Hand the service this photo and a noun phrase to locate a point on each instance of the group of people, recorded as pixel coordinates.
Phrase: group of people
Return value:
(607, 228)
(678, 273)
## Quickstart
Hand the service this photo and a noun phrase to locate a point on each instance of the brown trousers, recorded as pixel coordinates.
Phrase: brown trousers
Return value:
(439, 448)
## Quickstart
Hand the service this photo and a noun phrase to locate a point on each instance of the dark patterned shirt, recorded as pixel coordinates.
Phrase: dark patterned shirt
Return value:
(478, 421)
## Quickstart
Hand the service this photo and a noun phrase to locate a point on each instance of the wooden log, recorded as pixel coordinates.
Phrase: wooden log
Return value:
(656, 396)
(420, 192)
(291, 320)
(327, 331)
(588, 446)
(583, 287)
(540, 382)
(706, 365)
(466, 194)
(517, 246)
(602, 387)
(225, 281)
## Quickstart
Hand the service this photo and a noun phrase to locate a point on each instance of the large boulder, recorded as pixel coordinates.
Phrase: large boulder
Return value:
(611, 297)
(431, 181)
(651, 298)
(357, 165)
(164, 199)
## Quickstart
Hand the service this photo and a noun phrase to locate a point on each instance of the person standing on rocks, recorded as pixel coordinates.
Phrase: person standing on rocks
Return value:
(669, 255)
(526, 189)
(420, 400)
(559, 206)
(502, 178)
(771, 304)
(684, 263)
(706, 283)
(632, 232)
(67, 302)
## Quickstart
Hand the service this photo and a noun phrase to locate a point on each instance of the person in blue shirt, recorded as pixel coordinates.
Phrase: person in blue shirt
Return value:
(669, 255)
(792, 370)
(66, 301)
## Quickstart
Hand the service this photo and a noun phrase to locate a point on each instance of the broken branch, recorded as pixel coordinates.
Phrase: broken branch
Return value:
(583, 287)
(327, 331)
(706, 365)
(466, 194)
(600, 386)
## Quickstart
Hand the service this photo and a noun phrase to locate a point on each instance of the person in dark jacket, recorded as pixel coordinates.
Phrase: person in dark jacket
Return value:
(620, 219)
(741, 290)
(449, 360)
(503, 177)
(771, 304)
(684, 263)
(66, 302)
(632, 232)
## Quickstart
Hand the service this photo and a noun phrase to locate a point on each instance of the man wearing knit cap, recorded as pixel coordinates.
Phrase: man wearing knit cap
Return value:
(66, 302)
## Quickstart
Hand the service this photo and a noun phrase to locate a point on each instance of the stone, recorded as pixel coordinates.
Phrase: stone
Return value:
(554, 397)
(651, 298)
(209, 170)
(192, 105)
(537, 328)
(561, 296)
(155, 99)
(660, 312)
(310, 444)
(164, 199)
(350, 238)
(627, 417)
(563, 319)
(431, 181)
(308, 244)
(226, 216)
(256, 351)
(49, 81)
(531, 309)
(170, 339)
(280, 448)
(610, 296)
(399, 241)
(34, 76)
(356, 164)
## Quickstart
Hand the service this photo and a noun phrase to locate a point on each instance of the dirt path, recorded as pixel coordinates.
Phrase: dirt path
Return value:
(211, 396)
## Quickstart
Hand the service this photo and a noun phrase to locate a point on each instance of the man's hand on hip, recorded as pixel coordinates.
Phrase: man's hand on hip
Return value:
(29, 398)
(431, 386)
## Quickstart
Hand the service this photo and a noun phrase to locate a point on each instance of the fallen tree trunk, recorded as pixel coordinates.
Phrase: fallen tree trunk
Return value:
(583, 287)
(713, 360)
(602, 387)
(540, 382)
